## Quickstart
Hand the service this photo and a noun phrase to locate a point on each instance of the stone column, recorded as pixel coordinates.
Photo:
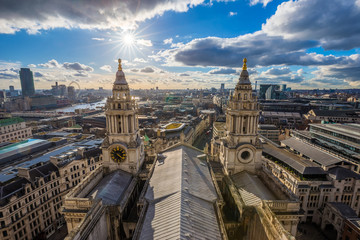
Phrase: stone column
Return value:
(127, 130)
(248, 125)
(238, 119)
(251, 125)
(241, 124)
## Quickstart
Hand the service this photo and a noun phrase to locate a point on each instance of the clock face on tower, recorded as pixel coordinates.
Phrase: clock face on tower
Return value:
(118, 154)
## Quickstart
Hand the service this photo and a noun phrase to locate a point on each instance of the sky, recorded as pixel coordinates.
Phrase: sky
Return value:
(178, 44)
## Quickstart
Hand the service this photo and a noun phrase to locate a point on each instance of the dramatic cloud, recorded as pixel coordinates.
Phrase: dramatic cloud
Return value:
(278, 71)
(38, 74)
(349, 72)
(106, 68)
(147, 70)
(11, 73)
(223, 71)
(258, 47)
(279, 76)
(77, 67)
(335, 23)
(81, 74)
(48, 14)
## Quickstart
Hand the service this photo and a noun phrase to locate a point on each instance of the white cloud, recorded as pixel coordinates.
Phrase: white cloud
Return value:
(263, 2)
(98, 39)
(232, 13)
(222, 71)
(144, 42)
(77, 67)
(32, 65)
(50, 64)
(140, 60)
(106, 68)
(168, 41)
(147, 70)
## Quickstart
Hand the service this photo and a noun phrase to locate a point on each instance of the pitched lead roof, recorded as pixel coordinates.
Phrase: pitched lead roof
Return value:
(181, 198)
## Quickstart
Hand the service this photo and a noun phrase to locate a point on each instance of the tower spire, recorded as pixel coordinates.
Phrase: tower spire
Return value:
(119, 67)
(244, 65)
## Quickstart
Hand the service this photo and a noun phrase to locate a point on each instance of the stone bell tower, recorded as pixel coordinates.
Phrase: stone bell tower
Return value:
(240, 149)
(123, 148)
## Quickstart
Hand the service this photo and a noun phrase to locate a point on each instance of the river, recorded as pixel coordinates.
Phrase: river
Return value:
(82, 106)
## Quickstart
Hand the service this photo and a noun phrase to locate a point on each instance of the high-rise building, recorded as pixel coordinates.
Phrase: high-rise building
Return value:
(27, 82)
(71, 92)
(222, 88)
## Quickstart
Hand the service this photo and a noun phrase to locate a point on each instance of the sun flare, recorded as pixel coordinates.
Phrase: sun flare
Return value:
(129, 39)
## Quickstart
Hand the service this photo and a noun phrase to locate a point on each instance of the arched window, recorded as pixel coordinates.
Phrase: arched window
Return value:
(245, 96)
(239, 96)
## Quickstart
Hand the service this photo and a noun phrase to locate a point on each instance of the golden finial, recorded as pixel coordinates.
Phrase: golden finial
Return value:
(244, 66)
(119, 68)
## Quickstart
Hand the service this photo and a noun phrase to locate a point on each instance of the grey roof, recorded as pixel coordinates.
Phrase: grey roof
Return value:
(24, 148)
(337, 113)
(244, 77)
(267, 127)
(42, 171)
(300, 165)
(313, 153)
(344, 209)
(111, 188)
(252, 189)
(181, 198)
(11, 172)
(120, 78)
(340, 173)
(351, 130)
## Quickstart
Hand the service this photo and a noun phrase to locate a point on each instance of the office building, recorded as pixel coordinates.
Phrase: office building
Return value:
(32, 192)
(14, 129)
(27, 82)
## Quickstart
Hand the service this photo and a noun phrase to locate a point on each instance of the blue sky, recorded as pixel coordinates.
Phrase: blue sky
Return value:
(181, 43)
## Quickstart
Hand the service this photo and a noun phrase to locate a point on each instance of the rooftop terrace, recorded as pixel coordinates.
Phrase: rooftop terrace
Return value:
(9, 121)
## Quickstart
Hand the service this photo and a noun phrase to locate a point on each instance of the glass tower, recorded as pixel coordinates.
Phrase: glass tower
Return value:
(27, 82)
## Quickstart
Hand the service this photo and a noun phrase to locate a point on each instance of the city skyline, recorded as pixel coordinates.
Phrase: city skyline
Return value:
(182, 44)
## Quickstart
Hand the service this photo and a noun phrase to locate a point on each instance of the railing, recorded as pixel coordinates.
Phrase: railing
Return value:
(283, 205)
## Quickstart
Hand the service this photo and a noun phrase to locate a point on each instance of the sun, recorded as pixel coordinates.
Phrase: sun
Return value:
(128, 39)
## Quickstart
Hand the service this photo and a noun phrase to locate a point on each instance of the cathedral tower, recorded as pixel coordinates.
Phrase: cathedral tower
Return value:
(240, 149)
(123, 147)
